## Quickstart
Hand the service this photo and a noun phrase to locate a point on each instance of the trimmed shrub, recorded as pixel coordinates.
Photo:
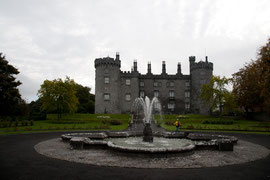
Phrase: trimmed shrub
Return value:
(116, 122)
(169, 123)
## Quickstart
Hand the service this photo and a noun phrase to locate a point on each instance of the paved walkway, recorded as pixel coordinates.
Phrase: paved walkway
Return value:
(20, 161)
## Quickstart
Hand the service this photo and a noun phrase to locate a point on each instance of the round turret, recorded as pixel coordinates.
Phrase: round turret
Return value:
(107, 85)
(201, 73)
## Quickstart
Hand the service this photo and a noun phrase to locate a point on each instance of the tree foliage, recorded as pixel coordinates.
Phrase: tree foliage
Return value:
(11, 103)
(252, 83)
(86, 99)
(216, 94)
(59, 96)
(35, 111)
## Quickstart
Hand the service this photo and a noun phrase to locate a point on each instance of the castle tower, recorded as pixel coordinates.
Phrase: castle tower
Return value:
(200, 73)
(107, 85)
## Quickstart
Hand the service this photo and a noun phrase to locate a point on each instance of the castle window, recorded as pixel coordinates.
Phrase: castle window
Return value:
(171, 106)
(187, 106)
(142, 94)
(202, 73)
(171, 84)
(128, 82)
(171, 94)
(187, 94)
(106, 97)
(141, 83)
(128, 97)
(155, 84)
(106, 80)
(156, 93)
(187, 84)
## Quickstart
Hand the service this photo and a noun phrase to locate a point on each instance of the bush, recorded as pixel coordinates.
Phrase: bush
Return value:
(218, 122)
(116, 122)
(190, 127)
(169, 123)
(206, 122)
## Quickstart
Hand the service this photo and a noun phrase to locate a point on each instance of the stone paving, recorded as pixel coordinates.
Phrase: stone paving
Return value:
(243, 152)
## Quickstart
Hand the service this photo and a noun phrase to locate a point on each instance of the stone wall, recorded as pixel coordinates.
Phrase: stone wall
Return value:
(200, 73)
(112, 105)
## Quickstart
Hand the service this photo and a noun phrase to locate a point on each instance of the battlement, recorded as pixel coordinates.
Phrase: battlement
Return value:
(108, 61)
(167, 76)
(128, 74)
(200, 65)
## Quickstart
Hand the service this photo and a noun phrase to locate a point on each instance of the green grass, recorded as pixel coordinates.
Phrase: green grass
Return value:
(197, 122)
(73, 122)
(85, 122)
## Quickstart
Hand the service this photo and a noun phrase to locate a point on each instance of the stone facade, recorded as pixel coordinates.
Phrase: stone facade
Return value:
(116, 90)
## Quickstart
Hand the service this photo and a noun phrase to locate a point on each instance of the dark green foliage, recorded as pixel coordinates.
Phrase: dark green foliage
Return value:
(115, 122)
(66, 122)
(169, 123)
(112, 121)
(11, 103)
(85, 98)
(218, 122)
(8, 123)
(35, 111)
(251, 84)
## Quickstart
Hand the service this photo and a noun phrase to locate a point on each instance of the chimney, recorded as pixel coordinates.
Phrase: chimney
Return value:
(163, 67)
(206, 59)
(117, 56)
(149, 68)
(135, 65)
(179, 68)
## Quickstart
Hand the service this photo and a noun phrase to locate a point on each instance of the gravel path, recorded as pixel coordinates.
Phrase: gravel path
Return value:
(243, 152)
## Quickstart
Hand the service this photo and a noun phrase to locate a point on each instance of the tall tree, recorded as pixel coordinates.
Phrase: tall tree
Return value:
(86, 99)
(35, 110)
(11, 102)
(215, 92)
(58, 95)
(252, 83)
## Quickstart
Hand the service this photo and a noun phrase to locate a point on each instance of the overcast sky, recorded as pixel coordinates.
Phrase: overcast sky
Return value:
(54, 38)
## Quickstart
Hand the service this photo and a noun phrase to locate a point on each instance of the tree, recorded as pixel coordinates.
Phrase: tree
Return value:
(252, 83)
(86, 99)
(215, 93)
(59, 96)
(11, 103)
(35, 111)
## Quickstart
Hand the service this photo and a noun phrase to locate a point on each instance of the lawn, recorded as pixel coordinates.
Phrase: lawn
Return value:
(85, 122)
(203, 122)
(70, 122)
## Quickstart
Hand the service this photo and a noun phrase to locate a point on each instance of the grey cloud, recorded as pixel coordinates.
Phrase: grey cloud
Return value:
(55, 38)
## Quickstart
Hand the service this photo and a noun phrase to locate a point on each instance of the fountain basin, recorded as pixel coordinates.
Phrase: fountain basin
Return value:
(159, 145)
(163, 142)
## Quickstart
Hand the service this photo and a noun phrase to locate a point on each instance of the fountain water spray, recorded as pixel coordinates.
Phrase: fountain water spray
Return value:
(147, 107)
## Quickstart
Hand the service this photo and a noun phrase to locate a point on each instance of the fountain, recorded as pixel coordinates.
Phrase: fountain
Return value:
(147, 107)
(143, 141)
(150, 148)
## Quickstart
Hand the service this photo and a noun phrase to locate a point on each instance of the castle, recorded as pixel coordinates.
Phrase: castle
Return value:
(116, 90)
